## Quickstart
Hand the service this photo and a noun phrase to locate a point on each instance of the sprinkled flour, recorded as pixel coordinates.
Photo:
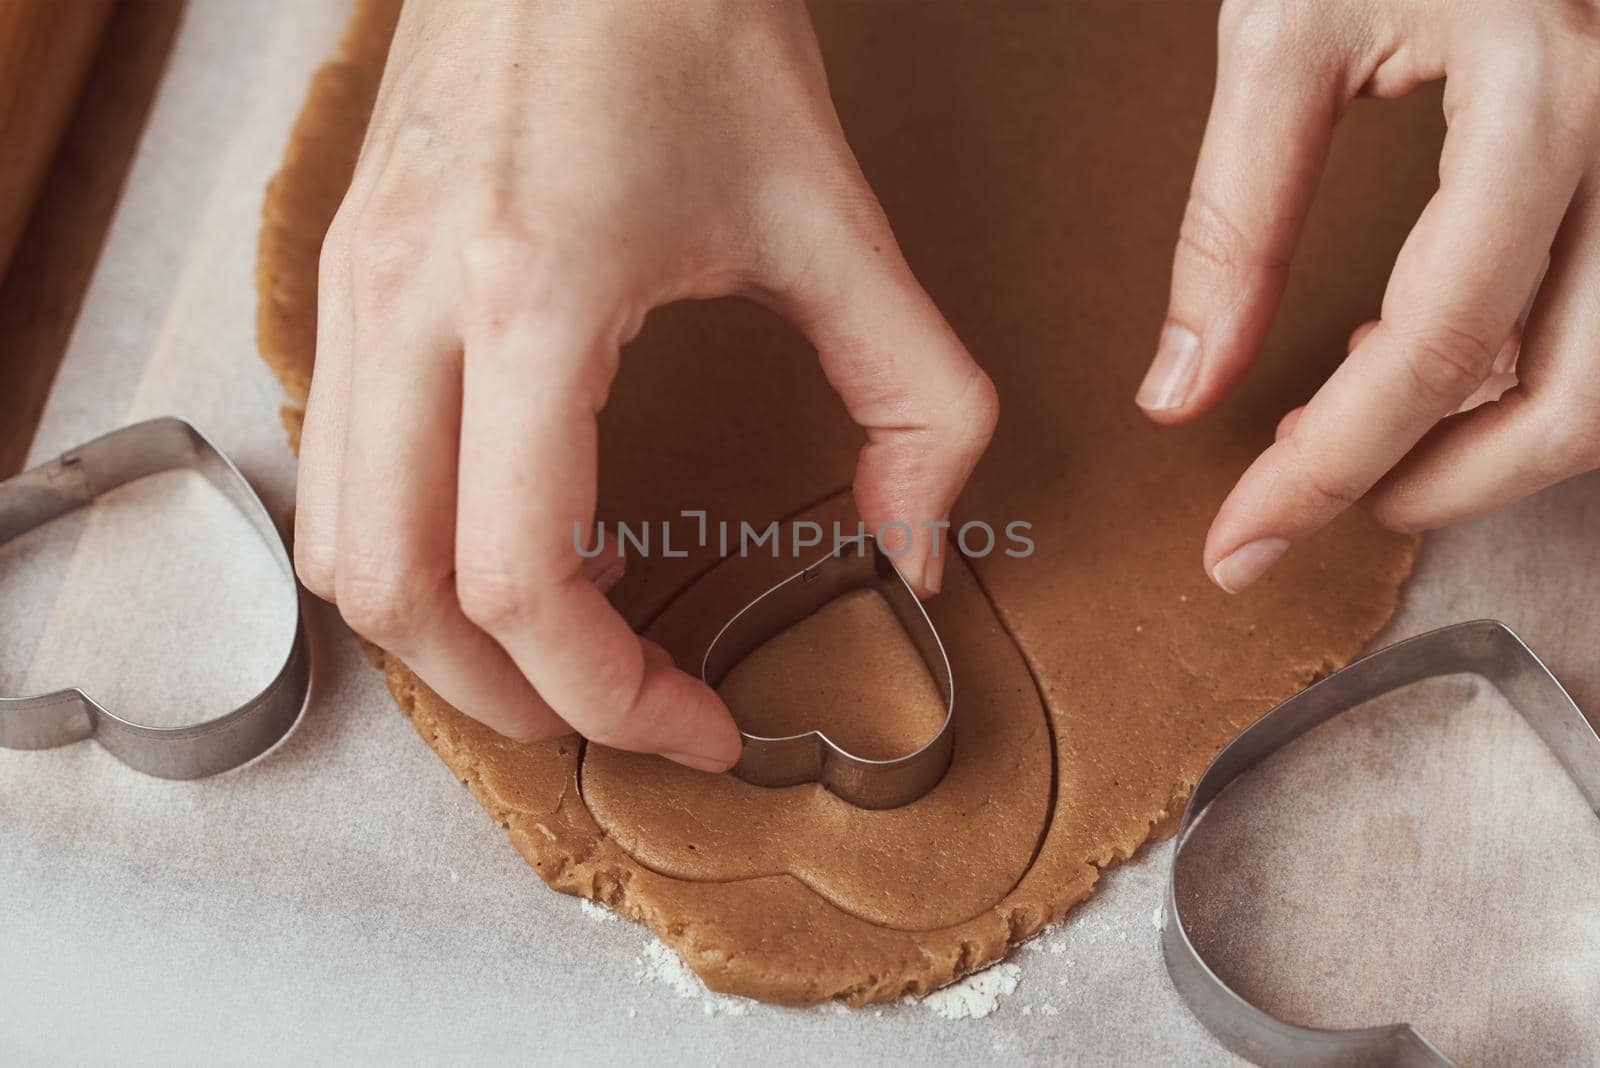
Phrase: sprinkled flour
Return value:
(975, 996)
(972, 998)
(596, 911)
(662, 965)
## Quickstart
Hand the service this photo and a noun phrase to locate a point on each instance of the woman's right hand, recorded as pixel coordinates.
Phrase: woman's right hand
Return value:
(536, 178)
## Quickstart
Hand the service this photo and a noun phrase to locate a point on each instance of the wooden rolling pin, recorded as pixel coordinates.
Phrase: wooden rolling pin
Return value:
(45, 49)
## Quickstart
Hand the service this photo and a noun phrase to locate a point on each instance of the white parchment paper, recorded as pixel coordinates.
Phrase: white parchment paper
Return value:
(344, 898)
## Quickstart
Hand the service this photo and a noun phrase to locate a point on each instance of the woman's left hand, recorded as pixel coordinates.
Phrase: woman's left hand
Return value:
(1518, 183)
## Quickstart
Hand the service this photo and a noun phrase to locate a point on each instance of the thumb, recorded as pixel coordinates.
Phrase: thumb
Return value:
(905, 378)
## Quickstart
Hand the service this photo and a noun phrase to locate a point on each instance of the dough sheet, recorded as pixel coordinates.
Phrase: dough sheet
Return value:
(1096, 677)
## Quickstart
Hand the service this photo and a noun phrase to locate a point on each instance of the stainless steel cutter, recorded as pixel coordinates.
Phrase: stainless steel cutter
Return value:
(1486, 648)
(194, 750)
(858, 563)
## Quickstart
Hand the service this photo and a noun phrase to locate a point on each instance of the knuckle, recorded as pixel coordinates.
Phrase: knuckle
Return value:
(531, 730)
(1446, 364)
(313, 563)
(610, 734)
(1210, 236)
(1255, 31)
(1330, 490)
(1525, 102)
(1393, 512)
(1334, 492)
(1540, 91)
(506, 273)
(854, 207)
(621, 722)
(819, 218)
(497, 253)
(1522, 60)
(383, 258)
(334, 256)
(416, 138)
(578, 308)
(510, 276)
(981, 403)
(495, 596)
(381, 603)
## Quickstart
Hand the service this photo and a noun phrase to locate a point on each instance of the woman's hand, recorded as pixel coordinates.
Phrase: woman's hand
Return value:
(1518, 184)
(535, 179)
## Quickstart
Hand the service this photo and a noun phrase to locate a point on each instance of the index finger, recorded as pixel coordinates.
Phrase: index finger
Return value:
(1280, 88)
(533, 384)
(1506, 176)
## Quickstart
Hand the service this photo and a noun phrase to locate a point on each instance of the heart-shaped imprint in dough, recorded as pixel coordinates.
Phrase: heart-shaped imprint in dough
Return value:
(973, 836)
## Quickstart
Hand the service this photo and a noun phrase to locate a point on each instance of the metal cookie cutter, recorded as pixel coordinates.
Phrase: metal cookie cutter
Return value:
(1487, 648)
(858, 563)
(194, 750)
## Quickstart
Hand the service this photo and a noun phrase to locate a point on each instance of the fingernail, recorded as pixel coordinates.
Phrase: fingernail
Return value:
(1505, 361)
(1172, 373)
(1247, 563)
(611, 575)
(698, 763)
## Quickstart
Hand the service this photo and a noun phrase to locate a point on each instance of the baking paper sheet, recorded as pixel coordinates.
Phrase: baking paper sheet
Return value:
(344, 898)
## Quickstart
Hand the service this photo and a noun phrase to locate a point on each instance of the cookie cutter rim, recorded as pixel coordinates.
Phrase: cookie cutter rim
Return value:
(1486, 648)
(192, 750)
(811, 756)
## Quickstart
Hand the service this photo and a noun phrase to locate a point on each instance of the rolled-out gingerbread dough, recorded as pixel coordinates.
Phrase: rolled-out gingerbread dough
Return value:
(1033, 159)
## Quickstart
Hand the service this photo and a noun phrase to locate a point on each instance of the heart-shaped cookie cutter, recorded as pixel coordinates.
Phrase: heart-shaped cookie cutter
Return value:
(193, 750)
(1485, 647)
(857, 563)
